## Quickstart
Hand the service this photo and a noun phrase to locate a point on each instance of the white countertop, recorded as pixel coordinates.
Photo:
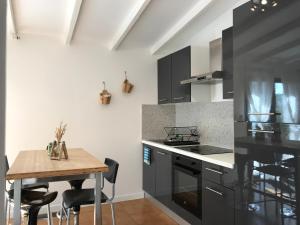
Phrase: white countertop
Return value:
(225, 159)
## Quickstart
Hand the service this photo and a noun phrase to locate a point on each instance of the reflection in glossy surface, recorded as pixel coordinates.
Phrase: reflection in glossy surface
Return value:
(267, 63)
(266, 192)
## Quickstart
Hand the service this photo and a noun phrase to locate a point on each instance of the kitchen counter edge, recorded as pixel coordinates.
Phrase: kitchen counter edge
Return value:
(225, 159)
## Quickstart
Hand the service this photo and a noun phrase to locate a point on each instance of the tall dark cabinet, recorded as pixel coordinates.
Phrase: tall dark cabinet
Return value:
(171, 70)
(267, 113)
(227, 55)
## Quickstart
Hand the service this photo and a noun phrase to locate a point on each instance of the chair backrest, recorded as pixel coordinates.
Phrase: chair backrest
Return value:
(113, 167)
(6, 164)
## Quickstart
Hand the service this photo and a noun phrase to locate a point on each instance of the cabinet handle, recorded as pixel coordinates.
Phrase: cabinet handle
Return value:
(163, 100)
(214, 191)
(178, 98)
(262, 114)
(214, 171)
(161, 153)
(262, 131)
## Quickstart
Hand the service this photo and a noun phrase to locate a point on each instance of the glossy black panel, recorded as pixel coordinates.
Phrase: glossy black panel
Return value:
(267, 63)
(267, 187)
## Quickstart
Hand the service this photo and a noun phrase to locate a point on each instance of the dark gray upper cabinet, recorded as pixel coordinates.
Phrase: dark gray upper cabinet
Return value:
(164, 68)
(227, 54)
(181, 70)
(171, 70)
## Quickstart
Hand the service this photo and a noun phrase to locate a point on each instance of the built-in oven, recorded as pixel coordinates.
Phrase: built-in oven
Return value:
(186, 190)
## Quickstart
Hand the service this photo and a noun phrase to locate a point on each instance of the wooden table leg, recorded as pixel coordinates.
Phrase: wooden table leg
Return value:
(17, 201)
(98, 212)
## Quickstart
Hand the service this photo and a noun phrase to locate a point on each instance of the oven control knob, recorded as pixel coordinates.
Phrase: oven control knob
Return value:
(177, 158)
(193, 163)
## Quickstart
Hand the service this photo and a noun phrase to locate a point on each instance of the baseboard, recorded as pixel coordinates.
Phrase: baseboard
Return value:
(119, 198)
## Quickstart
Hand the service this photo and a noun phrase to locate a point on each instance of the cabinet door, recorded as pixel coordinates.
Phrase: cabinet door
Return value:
(149, 173)
(164, 67)
(227, 39)
(181, 70)
(163, 176)
(218, 204)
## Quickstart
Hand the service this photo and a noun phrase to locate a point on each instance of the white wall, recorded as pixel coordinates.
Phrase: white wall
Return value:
(49, 82)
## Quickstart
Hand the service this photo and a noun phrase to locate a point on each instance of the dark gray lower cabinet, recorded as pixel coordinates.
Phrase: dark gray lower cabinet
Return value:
(218, 204)
(163, 177)
(149, 172)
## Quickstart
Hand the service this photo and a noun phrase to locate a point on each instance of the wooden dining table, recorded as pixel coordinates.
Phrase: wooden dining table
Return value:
(35, 165)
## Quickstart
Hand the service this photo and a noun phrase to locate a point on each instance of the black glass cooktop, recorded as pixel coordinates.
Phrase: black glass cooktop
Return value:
(205, 149)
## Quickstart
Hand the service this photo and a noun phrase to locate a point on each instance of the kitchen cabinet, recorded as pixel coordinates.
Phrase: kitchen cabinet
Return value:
(149, 172)
(171, 70)
(164, 68)
(218, 204)
(181, 70)
(219, 174)
(218, 195)
(163, 177)
(227, 55)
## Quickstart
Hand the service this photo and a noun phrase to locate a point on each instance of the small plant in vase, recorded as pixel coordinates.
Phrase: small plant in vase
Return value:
(59, 147)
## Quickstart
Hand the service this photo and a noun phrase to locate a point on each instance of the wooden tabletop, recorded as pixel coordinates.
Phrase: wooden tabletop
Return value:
(37, 164)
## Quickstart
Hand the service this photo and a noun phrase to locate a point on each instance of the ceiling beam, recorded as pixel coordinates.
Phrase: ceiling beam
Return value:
(129, 23)
(12, 15)
(72, 20)
(184, 21)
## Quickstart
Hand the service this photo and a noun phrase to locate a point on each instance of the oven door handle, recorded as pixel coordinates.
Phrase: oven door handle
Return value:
(190, 171)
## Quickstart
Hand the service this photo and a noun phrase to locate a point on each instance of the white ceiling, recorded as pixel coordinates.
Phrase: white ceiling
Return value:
(102, 20)
(159, 17)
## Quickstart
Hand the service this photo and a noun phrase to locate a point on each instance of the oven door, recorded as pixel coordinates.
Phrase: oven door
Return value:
(187, 189)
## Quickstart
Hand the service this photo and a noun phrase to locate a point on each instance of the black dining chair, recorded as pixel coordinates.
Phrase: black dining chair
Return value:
(77, 197)
(75, 185)
(27, 186)
(32, 201)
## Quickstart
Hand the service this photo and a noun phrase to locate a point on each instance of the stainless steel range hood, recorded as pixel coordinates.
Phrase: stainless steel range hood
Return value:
(215, 63)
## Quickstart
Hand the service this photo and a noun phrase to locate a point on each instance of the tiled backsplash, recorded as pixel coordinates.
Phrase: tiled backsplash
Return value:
(214, 120)
(155, 118)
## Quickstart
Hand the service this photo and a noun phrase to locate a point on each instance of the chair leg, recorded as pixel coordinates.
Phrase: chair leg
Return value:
(8, 212)
(68, 216)
(76, 218)
(6, 209)
(32, 215)
(61, 212)
(112, 206)
(50, 222)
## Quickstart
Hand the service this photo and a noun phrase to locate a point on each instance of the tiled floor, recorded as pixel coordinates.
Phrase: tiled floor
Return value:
(135, 212)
